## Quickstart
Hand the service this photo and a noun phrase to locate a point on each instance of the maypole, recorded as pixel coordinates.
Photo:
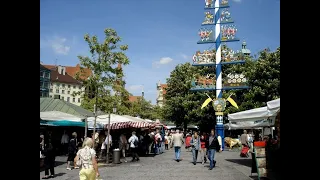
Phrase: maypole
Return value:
(217, 57)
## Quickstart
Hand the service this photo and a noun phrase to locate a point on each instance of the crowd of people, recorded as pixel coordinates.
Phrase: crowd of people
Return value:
(85, 153)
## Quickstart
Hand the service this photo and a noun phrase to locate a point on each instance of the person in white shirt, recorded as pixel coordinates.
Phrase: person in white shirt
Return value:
(106, 142)
(133, 140)
(64, 143)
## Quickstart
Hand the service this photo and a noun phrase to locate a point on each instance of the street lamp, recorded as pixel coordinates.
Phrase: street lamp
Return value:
(114, 110)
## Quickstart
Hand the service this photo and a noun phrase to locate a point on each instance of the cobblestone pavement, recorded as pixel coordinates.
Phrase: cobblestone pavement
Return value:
(229, 167)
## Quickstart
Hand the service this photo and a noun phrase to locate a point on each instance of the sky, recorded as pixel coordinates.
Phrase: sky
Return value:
(160, 33)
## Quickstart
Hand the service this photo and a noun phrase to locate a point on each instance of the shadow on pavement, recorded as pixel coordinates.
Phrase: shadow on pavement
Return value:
(57, 163)
(244, 162)
(59, 174)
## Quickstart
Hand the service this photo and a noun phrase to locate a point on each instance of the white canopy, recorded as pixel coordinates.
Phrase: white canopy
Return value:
(254, 118)
(135, 119)
(258, 113)
(103, 119)
(59, 116)
(274, 106)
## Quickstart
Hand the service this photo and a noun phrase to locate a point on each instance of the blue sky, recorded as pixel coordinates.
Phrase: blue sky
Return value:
(160, 34)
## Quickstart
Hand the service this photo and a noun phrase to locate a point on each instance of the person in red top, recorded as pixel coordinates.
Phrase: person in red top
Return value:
(203, 149)
(188, 139)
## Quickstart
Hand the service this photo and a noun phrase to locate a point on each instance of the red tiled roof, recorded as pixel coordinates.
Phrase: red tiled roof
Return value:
(71, 70)
(56, 77)
(163, 87)
(134, 98)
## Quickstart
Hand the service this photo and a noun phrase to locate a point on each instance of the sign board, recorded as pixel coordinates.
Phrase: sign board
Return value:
(261, 162)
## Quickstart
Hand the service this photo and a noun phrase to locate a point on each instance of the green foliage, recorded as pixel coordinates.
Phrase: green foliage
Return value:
(183, 106)
(144, 109)
(104, 58)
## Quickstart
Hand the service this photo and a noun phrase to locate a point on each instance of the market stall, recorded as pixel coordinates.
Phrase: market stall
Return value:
(266, 152)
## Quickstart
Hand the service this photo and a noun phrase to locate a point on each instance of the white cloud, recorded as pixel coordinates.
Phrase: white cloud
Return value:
(237, 1)
(162, 61)
(57, 44)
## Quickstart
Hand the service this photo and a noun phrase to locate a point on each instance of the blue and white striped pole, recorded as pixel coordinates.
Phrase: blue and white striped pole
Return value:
(219, 118)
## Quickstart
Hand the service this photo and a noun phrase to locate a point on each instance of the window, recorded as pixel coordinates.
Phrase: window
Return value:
(74, 87)
(73, 99)
(40, 94)
(50, 96)
(62, 91)
(58, 84)
(78, 100)
(46, 85)
(41, 84)
(57, 90)
(46, 75)
(41, 74)
(62, 97)
(69, 86)
(63, 85)
(68, 92)
(44, 94)
(51, 90)
(68, 99)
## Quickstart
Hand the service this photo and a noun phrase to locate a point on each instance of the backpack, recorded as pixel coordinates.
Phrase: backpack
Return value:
(84, 155)
(135, 142)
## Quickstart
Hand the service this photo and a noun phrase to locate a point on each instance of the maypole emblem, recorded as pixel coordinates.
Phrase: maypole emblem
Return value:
(219, 106)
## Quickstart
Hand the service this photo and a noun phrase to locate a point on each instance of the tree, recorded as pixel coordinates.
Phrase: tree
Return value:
(104, 57)
(183, 106)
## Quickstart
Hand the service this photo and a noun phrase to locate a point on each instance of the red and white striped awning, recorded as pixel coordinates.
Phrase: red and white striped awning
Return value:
(123, 125)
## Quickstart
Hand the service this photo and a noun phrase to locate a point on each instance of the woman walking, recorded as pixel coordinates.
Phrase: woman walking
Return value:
(195, 144)
(49, 158)
(72, 150)
(86, 159)
(203, 149)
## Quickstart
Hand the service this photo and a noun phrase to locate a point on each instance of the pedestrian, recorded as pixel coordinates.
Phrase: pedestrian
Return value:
(195, 144)
(72, 150)
(158, 140)
(177, 140)
(203, 150)
(86, 159)
(64, 143)
(49, 158)
(134, 141)
(123, 146)
(245, 144)
(212, 147)
(166, 141)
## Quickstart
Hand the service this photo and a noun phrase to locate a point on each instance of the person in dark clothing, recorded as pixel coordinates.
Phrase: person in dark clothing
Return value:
(49, 160)
(72, 150)
(212, 145)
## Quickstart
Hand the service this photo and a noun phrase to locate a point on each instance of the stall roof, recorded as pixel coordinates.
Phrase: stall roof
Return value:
(49, 104)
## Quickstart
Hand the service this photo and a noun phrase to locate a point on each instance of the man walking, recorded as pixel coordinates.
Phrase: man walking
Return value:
(134, 141)
(212, 146)
(177, 140)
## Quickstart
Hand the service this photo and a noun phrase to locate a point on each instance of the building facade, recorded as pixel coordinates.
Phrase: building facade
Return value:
(65, 87)
(161, 91)
(44, 81)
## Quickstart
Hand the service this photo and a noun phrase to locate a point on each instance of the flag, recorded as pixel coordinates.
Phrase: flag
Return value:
(206, 102)
(233, 100)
